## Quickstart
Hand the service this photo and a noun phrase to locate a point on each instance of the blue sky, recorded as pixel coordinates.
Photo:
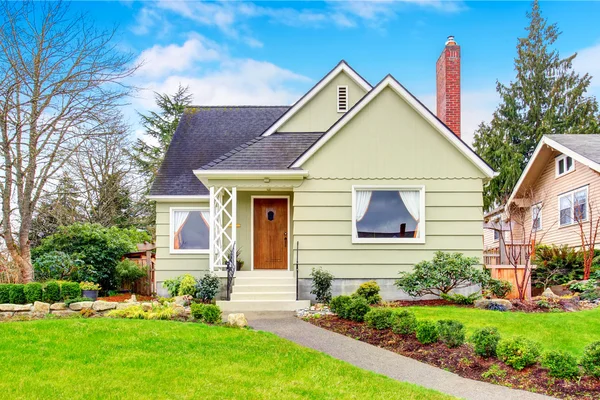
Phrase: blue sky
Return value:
(272, 52)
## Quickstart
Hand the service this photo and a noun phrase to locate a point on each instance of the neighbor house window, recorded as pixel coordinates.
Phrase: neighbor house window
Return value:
(573, 207)
(564, 165)
(382, 214)
(536, 217)
(190, 230)
(496, 235)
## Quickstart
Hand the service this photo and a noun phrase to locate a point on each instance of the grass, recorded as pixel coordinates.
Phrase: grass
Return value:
(554, 331)
(129, 359)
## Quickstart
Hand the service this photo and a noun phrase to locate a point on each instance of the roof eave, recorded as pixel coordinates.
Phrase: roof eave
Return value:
(251, 174)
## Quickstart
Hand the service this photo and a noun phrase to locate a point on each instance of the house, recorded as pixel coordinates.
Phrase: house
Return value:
(361, 180)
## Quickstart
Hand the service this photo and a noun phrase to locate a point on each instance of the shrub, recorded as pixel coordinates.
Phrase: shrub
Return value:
(498, 288)
(583, 286)
(172, 285)
(339, 305)
(427, 332)
(128, 272)
(485, 341)
(5, 293)
(208, 287)
(58, 265)
(52, 292)
(518, 352)
(161, 312)
(560, 364)
(211, 314)
(404, 322)
(33, 292)
(590, 295)
(70, 290)
(133, 312)
(457, 298)
(87, 312)
(496, 307)
(17, 294)
(379, 318)
(89, 286)
(370, 291)
(451, 332)
(78, 299)
(187, 286)
(446, 272)
(321, 284)
(357, 309)
(494, 373)
(591, 360)
(556, 265)
(197, 310)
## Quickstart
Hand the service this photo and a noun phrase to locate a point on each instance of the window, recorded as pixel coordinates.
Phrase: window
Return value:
(536, 217)
(564, 165)
(382, 214)
(573, 207)
(190, 232)
(342, 99)
(496, 235)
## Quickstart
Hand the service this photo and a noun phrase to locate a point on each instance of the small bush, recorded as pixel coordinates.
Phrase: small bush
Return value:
(52, 292)
(518, 352)
(494, 373)
(79, 299)
(128, 272)
(457, 298)
(17, 294)
(427, 332)
(404, 322)
(5, 293)
(451, 332)
(197, 310)
(495, 307)
(70, 290)
(87, 312)
(357, 309)
(498, 288)
(321, 284)
(379, 318)
(560, 364)
(211, 314)
(485, 341)
(187, 286)
(591, 360)
(161, 312)
(33, 292)
(339, 305)
(208, 287)
(133, 312)
(590, 295)
(172, 285)
(370, 291)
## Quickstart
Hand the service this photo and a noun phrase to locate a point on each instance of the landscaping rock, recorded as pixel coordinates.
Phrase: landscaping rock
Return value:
(133, 299)
(122, 306)
(22, 316)
(237, 320)
(183, 300)
(58, 306)
(147, 306)
(5, 315)
(64, 313)
(484, 303)
(15, 307)
(179, 310)
(41, 308)
(103, 305)
(81, 305)
(548, 293)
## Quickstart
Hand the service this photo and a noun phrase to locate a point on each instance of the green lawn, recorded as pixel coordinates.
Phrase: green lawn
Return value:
(133, 359)
(565, 331)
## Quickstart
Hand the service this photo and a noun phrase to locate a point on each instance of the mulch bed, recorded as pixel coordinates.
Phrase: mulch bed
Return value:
(463, 361)
(119, 298)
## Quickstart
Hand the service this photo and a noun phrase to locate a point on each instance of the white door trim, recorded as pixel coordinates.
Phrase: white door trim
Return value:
(287, 197)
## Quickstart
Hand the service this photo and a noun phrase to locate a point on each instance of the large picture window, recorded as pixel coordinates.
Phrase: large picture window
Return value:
(190, 230)
(382, 214)
(573, 207)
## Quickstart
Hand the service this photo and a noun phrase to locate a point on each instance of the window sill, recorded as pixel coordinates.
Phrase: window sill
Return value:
(572, 224)
(563, 174)
(172, 251)
(388, 241)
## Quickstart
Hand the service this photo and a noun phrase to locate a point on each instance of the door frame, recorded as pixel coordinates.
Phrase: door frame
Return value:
(274, 196)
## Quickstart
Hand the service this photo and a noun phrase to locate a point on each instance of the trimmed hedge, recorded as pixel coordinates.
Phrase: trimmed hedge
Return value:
(379, 318)
(5, 293)
(70, 290)
(33, 292)
(208, 313)
(518, 352)
(17, 294)
(427, 332)
(404, 322)
(52, 292)
(485, 341)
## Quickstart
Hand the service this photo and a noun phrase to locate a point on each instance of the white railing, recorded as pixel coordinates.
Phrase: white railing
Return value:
(223, 216)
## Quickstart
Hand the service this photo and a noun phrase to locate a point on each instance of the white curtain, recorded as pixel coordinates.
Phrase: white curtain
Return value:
(206, 217)
(363, 198)
(412, 202)
(179, 218)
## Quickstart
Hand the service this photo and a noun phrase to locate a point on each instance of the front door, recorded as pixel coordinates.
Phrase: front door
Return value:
(270, 233)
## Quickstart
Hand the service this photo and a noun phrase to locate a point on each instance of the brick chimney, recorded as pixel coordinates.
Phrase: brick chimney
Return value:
(448, 85)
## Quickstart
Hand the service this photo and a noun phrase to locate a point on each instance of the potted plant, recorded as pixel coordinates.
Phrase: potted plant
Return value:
(90, 290)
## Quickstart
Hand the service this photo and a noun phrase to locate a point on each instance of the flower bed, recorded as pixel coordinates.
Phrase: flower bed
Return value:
(463, 361)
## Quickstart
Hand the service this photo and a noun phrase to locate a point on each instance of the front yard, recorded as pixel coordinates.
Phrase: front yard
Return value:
(113, 359)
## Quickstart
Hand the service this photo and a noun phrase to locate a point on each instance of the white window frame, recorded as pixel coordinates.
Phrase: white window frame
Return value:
(419, 240)
(571, 194)
(172, 249)
(537, 206)
(341, 110)
(561, 158)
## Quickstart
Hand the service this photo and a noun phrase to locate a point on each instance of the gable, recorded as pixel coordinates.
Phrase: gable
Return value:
(320, 112)
(389, 138)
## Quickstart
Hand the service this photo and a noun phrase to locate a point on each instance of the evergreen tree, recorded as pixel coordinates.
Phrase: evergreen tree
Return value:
(546, 97)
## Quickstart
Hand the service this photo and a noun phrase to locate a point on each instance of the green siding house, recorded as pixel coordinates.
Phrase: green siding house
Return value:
(363, 181)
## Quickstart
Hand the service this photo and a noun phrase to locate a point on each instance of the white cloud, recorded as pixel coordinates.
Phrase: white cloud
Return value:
(588, 61)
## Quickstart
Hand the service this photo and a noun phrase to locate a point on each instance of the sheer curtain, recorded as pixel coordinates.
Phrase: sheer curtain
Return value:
(179, 218)
(412, 202)
(206, 217)
(363, 198)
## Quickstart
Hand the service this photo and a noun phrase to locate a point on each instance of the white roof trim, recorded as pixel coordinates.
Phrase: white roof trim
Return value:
(557, 146)
(177, 198)
(389, 81)
(251, 174)
(342, 66)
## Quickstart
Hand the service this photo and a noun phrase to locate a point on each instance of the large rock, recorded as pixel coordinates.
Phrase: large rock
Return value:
(147, 306)
(179, 309)
(183, 300)
(122, 306)
(15, 307)
(58, 306)
(81, 305)
(64, 313)
(549, 294)
(237, 320)
(41, 308)
(484, 303)
(5, 315)
(104, 305)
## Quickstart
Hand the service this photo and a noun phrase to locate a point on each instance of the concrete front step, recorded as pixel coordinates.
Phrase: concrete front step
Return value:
(262, 281)
(274, 273)
(262, 305)
(264, 296)
(263, 288)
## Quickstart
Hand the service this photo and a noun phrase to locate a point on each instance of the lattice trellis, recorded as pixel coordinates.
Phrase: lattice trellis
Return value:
(223, 212)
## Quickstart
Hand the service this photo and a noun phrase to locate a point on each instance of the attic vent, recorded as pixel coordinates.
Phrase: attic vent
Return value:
(342, 99)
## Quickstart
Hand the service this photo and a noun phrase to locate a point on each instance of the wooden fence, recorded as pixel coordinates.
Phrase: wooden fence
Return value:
(507, 273)
(145, 259)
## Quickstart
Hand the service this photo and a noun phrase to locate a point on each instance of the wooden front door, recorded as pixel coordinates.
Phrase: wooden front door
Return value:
(270, 233)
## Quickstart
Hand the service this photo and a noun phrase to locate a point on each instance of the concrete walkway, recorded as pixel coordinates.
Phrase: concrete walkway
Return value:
(381, 361)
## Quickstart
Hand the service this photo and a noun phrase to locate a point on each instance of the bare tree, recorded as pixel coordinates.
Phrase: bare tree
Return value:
(588, 223)
(62, 80)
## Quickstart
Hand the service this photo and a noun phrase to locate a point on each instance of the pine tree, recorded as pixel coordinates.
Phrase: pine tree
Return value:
(546, 97)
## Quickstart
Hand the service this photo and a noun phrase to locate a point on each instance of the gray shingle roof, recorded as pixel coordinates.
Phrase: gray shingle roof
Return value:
(277, 151)
(586, 145)
(203, 134)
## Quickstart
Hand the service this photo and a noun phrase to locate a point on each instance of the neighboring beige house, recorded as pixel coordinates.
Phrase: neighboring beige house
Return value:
(362, 181)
